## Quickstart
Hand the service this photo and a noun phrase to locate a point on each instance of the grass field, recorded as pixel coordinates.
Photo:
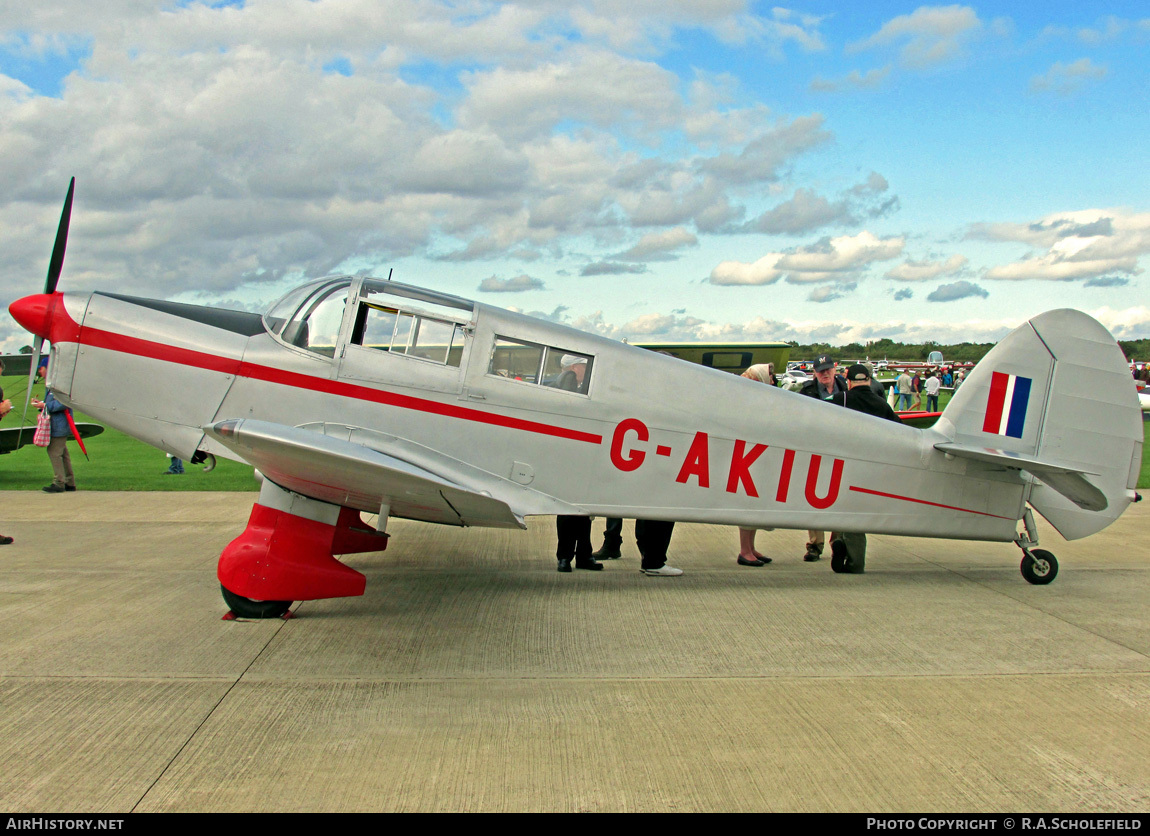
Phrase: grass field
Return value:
(117, 462)
(120, 463)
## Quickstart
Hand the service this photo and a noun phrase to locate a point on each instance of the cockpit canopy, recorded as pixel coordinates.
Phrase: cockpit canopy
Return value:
(424, 325)
(388, 316)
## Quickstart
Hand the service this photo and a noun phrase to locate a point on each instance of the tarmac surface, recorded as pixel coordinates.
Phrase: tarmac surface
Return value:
(473, 676)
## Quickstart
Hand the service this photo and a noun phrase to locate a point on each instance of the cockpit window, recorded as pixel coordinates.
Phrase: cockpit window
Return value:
(544, 365)
(316, 324)
(283, 310)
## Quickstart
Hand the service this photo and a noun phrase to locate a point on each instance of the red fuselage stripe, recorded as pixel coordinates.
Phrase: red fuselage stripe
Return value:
(925, 502)
(98, 338)
(186, 357)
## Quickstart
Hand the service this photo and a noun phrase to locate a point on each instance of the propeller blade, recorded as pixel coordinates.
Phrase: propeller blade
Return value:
(37, 344)
(57, 262)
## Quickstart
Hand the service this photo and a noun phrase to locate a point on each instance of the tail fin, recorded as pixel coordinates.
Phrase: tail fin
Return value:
(1055, 399)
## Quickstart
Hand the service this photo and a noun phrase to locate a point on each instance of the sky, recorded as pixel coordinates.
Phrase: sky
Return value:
(653, 171)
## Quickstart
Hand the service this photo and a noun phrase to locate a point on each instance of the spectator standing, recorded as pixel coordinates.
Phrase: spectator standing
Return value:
(932, 385)
(826, 386)
(848, 549)
(903, 387)
(763, 373)
(916, 391)
(63, 477)
(5, 408)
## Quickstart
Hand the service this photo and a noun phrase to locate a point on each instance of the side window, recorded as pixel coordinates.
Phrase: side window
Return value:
(544, 365)
(432, 339)
(387, 328)
(516, 360)
(316, 325)
(378, 327)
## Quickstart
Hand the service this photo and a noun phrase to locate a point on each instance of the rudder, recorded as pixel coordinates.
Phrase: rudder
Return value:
(1056, 390)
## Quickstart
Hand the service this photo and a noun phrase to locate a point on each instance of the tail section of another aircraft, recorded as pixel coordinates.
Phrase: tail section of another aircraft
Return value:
(1054, 399)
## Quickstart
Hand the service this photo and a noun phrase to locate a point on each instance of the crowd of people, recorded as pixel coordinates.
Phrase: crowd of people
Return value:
(908, 389)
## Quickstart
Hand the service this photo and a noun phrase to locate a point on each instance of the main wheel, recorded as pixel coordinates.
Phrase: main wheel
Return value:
(1039, 566)
(247, 608)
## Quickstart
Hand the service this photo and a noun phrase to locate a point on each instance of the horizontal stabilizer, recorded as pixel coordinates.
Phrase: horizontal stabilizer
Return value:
(351, 475)
(1069, 482)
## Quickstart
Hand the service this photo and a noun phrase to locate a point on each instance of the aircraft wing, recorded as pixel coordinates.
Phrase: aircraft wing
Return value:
(1069, 482)
(10, 439)
(349, 474)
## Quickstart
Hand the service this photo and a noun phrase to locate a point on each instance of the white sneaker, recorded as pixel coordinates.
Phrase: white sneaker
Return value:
(663, 572)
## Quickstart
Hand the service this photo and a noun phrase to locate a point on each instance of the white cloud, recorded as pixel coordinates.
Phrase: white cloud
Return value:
(600, 88)
(807, 210)
(946, 329)
(516, 284)
(829, 293)
(761, 158)
(919, 271)
(1079, 245)
(929, 35)
(612, 268)
(1125, 323)
(215, 151)
(838, 255)
(1068, 78)
(763, 271)
(854, 80)
(954, 291)
(829, 259)
(659, 246)
(1109, 28)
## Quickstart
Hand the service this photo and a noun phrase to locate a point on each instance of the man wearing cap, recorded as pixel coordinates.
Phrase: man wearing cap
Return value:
(573, 378)
(848, 549)
(861, 396)
(826, 386)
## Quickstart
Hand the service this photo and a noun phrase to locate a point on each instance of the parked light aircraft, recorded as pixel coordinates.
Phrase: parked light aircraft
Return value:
(356, 394)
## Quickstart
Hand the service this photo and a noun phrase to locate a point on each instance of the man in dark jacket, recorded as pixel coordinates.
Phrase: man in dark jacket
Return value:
(848, 549)
(861, 396)
(826, 386)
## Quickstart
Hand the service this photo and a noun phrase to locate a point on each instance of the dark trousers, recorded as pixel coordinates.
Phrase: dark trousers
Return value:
(653, 537)
(856, 552)
(574, 538)
(613, 536)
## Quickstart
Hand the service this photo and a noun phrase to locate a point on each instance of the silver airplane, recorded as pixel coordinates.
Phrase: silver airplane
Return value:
(356, 394)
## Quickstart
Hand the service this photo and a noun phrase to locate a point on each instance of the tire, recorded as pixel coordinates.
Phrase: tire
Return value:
(1039, 567)
(247, 608)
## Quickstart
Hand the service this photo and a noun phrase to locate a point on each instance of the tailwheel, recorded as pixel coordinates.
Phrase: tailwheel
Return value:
(1039, 566)
(247, 608)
